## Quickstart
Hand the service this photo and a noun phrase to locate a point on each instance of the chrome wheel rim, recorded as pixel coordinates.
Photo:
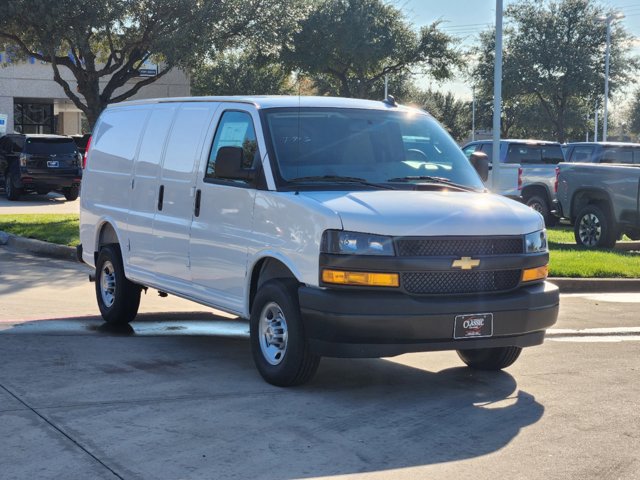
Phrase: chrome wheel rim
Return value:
(273, 333)
(108, 284)
(590, 230)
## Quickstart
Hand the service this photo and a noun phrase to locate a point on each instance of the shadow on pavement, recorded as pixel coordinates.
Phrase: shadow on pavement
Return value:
(197, 404)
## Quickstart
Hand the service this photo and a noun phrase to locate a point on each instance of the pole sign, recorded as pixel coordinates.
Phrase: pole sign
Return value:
(3, 123)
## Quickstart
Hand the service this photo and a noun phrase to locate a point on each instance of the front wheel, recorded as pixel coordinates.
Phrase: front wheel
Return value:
(118, 297)
(490, 358)
(278, 343)
(594, 228)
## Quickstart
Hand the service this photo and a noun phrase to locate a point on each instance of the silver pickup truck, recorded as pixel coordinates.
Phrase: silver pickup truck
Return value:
(602, 201)
(533, 163)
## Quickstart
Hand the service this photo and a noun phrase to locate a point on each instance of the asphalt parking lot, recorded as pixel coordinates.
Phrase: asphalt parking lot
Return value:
(32, 203)
(177, 397)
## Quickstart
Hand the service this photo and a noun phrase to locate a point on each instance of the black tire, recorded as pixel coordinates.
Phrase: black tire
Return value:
(118, 298)
(541, 205)
(490, 358)
(13, 193)
(71, 193)
(594, 228)
(287, 362)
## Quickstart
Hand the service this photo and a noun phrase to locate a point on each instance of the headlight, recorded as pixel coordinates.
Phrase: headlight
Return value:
(355, 243)
(536, 242)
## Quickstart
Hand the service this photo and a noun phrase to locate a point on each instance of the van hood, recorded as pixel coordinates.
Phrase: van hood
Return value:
(420, 213)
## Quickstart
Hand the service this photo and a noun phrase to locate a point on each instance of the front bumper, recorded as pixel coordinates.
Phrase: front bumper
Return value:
(358, 323)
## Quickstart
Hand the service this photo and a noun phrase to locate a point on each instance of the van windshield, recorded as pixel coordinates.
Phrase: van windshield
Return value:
(370, 147)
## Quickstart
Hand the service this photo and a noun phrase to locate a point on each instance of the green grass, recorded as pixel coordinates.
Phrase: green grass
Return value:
(567, 259)
(54, 227)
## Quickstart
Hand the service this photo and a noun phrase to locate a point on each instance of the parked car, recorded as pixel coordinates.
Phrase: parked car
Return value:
(537, 161)
(603, 152)
(81, 142)
(41, 164)
(601, 201)
(338, 227)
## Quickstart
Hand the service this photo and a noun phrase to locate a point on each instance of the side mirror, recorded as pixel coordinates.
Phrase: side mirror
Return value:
(229, 162)
(480, 162)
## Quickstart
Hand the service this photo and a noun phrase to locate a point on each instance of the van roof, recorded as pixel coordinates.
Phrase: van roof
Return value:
(520, 140)
(278, 101)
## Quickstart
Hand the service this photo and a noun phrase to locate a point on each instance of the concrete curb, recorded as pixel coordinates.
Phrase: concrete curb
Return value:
(566, 285)
(596, 285)
(38, 247)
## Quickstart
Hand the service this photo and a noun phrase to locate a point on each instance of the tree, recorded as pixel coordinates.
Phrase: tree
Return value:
(104, 43)
(242, 73)
(554, 57)
(634, 115)
(348, 46)
(453, 113)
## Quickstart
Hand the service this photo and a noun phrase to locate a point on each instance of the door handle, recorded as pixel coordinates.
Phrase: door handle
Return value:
(196, 211)
(160, 197)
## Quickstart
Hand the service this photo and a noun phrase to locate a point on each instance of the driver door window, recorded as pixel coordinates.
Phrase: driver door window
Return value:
(234, 130)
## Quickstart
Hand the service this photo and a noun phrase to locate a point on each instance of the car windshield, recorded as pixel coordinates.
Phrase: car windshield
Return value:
(366, 147)
(50, 146)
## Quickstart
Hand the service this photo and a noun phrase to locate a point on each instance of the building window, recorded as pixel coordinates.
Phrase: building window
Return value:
(31, 117)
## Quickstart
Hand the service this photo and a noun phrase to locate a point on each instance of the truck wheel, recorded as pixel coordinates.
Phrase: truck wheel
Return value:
(278, 344)
(540, 205)
(71, 193)
(594, 229)
(490, 358)
(13, 192)
(118, 298)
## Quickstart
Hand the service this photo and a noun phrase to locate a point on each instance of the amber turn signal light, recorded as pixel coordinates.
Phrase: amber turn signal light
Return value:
(538, 273)
(368, 279)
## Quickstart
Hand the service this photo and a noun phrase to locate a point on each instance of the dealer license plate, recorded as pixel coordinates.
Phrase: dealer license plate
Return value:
(475, 325)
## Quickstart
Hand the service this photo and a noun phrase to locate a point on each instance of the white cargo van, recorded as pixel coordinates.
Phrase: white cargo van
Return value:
(338, 227)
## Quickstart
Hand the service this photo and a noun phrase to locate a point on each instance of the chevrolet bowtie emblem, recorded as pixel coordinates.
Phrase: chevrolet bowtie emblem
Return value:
(465, 263)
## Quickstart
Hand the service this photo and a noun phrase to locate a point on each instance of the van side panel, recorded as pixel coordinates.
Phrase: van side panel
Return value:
(144, 188)
(172, 221)
(108, 173)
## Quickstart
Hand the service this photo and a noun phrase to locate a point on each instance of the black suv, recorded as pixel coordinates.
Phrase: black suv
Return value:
(40, 163)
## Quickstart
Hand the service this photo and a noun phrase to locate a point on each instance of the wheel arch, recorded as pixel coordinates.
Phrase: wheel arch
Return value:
(590, 196)
(106, 234)
(536, 189)
(265, 268)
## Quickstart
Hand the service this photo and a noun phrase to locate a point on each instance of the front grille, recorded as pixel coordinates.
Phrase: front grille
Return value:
(458, 246)
(429, 283)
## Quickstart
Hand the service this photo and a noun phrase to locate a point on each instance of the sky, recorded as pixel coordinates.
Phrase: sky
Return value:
(467, 18)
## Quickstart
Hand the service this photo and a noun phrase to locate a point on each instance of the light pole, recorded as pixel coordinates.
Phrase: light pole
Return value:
(609, 19)
(473, 114)
(497, 98)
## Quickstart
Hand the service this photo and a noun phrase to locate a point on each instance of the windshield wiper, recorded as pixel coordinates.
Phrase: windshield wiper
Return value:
(430, 179)
(339, 179)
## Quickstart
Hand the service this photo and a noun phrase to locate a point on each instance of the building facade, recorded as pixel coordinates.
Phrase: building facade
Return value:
(34, 103)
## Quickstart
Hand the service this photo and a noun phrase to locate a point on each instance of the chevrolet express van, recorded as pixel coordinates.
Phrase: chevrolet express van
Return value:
(337, 227)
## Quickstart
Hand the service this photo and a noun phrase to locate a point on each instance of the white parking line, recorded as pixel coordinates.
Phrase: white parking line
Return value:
(607, 297)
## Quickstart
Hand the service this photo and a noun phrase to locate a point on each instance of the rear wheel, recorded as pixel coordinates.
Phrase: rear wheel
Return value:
(278, 342)
(118, 298)
(594, 228)
(71, 193)
(490, 358)
(13, 192)
(540, 205)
